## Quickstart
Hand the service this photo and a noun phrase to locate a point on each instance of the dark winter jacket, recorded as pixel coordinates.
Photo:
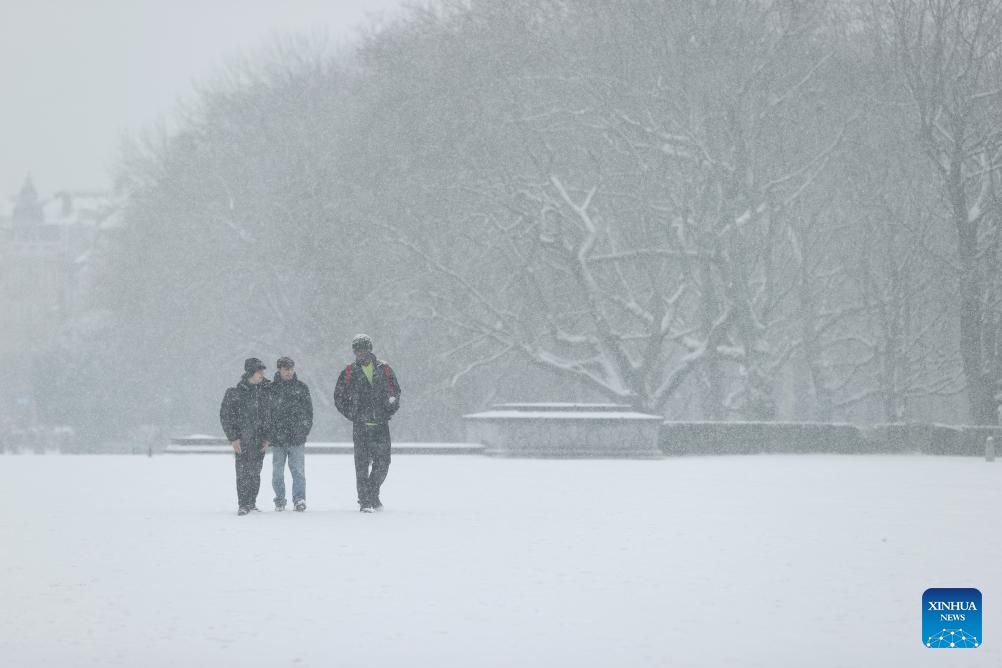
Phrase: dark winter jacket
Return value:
(245, 413)
(360, 401)
(291, 411)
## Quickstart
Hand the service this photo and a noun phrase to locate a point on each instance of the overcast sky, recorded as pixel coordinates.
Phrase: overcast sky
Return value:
(76, 74)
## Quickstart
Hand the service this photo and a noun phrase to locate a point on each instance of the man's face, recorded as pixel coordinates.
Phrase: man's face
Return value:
(286, 372)
(256, 377)
(361, 354)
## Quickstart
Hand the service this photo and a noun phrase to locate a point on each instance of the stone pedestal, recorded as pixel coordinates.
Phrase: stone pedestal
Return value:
(565, 430)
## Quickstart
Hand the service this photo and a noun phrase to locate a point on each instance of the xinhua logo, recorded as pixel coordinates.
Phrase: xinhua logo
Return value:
(951, 618)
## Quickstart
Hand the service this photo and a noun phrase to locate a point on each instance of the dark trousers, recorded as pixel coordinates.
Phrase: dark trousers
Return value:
(249, 463)
(372, 460)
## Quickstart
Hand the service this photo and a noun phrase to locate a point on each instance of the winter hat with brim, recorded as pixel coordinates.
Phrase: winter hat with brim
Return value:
(252, 364)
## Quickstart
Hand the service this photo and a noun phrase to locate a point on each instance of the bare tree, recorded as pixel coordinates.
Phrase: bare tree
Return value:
(951, 57)
(636, 228)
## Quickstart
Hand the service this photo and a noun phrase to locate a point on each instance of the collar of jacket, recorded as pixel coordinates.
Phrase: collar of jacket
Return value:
(246, 384)
(368, 358)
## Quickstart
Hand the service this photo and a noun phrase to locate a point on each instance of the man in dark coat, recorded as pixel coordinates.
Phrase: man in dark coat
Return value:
(292, 419)
(368, 394)
(244, 415)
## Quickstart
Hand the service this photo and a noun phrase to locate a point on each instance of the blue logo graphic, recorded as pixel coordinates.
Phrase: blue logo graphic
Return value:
(951, 618)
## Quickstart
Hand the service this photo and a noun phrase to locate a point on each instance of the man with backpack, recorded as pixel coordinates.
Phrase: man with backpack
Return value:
(246, 421)
(292, 419)
(368, 394)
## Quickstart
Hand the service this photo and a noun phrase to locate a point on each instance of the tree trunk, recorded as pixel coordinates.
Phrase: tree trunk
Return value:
(979, 394)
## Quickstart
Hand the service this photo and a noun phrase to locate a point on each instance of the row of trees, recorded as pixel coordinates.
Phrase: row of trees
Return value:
(739, 208)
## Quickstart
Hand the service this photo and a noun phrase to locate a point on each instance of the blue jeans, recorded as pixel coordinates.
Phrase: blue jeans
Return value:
(296, 456)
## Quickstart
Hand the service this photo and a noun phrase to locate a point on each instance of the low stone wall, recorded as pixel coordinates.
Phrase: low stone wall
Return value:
(201, 445)
(614, 431)
(562, 430)
(933, 439)
(732, 438)
(748, 438)
(971, 440)
(900, 438)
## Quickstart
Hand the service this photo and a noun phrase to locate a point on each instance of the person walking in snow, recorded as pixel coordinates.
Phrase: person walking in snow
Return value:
(368, 394)
(291, 421)
(245, 417)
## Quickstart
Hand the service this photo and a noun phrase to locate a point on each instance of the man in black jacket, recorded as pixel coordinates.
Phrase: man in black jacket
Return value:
(292, 419)
(245, 418)
(368, 394)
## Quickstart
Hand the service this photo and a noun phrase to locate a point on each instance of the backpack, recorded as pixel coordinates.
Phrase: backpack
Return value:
(387, 374)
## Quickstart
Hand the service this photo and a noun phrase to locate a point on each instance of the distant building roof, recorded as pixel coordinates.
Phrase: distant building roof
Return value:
(89, 209)
(48, 219)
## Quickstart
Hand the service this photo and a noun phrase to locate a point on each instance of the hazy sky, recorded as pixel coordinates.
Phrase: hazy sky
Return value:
(76, 74)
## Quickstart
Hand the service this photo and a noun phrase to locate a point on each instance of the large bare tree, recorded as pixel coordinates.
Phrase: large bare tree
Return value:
(950, 53)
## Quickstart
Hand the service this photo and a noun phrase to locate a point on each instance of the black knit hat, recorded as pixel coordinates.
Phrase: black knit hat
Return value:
(252, 364)
(285, 363)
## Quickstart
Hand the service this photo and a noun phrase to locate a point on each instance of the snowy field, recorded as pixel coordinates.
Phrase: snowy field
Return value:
(717, 561)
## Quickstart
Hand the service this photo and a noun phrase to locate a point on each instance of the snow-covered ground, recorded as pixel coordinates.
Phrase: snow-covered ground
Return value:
(716, 561)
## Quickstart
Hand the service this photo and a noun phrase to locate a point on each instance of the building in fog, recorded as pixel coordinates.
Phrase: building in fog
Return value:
(50, 249)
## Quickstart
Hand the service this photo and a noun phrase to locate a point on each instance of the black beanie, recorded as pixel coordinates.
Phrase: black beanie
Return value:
(252, 364)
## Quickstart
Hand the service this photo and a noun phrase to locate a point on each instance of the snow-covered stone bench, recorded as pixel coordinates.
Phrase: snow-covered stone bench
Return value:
(565, 430)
